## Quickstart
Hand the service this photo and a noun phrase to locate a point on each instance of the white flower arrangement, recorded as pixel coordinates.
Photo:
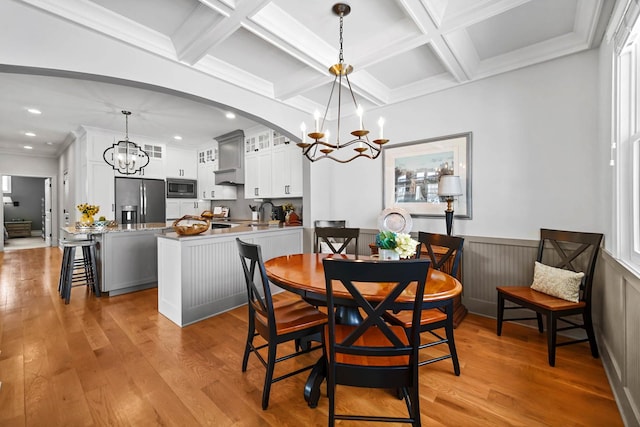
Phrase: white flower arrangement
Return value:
(402, 243)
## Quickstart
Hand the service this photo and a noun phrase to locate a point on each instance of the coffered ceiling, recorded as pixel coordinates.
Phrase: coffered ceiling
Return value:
(281, 49)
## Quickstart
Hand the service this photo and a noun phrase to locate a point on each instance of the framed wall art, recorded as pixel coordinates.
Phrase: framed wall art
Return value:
(412, 171)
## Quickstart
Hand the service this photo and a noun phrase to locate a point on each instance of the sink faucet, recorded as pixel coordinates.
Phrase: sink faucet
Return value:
(263, 217)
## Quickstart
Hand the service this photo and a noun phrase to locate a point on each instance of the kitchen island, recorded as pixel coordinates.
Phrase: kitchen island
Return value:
(127, 255)
(201, 276)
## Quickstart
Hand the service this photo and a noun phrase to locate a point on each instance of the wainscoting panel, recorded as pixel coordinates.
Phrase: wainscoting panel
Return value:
(617, 317)
(489, 262)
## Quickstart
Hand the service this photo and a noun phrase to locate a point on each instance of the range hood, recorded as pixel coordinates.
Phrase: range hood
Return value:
(230, 158)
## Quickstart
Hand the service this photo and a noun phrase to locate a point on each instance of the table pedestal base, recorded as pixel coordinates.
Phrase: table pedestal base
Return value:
(312, 386)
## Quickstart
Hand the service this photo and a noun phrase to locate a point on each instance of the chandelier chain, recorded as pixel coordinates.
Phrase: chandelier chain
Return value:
(341, 56)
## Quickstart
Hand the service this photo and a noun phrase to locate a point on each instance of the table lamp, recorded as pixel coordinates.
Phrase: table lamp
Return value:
(449, 187)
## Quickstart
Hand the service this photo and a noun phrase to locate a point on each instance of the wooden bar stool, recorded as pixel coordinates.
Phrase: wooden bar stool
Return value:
(78, 272)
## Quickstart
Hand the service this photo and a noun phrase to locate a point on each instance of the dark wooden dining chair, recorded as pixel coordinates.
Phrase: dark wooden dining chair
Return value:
(568, 250)
(374, 353)
(336, 238)
(277, 323)
(437, 318)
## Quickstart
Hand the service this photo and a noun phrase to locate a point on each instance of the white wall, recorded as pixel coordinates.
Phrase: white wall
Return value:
(537, 158)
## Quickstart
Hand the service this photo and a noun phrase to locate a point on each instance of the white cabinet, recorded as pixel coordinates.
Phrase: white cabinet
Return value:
(286, 166)
(181, 163)
(177, 208)
(257, 177)
(207, 188)
(101, 189)
(257, 141)
(273, 166)
(155, 168)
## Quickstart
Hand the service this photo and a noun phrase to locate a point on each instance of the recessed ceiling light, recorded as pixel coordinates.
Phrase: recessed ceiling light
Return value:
(28, 147)
(230, 115)
(49, 143)
(177, 138)
(30, 134)
(34, 111)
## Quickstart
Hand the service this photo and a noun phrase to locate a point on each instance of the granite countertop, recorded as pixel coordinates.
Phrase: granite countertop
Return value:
(150, 226)
(239, 229)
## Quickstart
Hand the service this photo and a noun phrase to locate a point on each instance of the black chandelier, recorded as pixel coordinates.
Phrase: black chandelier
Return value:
(362, 147)
(126, 156)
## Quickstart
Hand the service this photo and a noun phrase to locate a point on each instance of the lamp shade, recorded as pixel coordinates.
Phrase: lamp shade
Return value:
(449, 186)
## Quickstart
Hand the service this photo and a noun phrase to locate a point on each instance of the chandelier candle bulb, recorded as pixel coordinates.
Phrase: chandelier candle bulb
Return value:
(303, 128)
(381, 124)
(360, 113)
(316, 116)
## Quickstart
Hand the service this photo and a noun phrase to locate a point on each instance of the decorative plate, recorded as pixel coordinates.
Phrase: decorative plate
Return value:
(397, 220)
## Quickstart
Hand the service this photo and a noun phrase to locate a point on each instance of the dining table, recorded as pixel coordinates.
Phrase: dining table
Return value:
(303, 274)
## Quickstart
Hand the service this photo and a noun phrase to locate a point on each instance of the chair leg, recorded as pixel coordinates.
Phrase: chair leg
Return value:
(540, 326)
(500, 314)
(451, 341)
(551, 338)
(268, 377)
(588, 326)
(414, 396)
(249, 343)
(331, 394)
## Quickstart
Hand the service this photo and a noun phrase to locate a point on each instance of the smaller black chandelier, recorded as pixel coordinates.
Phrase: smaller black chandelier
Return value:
(362, 146)
(126, 156)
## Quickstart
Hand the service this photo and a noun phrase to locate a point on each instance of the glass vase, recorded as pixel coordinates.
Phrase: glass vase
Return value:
(86, 219)
(388, 254)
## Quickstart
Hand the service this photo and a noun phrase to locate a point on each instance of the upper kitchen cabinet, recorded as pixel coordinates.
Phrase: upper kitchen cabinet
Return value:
(257, 140)
(157, 153)
(273, 166)
(181, 163)
(257, 181)
(286, 166)
(208, 163)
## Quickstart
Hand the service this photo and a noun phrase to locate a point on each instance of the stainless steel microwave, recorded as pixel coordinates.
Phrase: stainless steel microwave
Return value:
(182, 188)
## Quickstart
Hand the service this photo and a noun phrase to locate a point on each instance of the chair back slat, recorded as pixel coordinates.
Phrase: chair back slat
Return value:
(571, 250)
(408, 277)
(333, 236)
(448, 262)
(258, 290)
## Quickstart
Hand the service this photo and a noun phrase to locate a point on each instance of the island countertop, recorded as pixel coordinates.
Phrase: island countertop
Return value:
(157, 226)
(239, 229)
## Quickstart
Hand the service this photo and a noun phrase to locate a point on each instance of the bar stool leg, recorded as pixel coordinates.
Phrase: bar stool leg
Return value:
(63, 271)
(68, 282)
(94, 270)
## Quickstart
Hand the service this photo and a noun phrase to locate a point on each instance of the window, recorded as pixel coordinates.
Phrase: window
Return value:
(626, 130)
(6, 184)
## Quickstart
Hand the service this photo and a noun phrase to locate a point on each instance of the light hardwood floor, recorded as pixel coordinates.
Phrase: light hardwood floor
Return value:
(117, 361)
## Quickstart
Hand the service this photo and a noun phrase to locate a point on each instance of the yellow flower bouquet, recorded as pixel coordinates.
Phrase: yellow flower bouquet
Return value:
(88, 211)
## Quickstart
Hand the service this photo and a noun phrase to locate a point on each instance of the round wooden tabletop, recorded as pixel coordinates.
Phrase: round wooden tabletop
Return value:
(304, 274)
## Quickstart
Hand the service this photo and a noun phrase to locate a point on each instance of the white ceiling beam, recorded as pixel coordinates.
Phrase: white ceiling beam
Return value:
(97, 18)
(481, 10)
(200, 44)
(416, 10)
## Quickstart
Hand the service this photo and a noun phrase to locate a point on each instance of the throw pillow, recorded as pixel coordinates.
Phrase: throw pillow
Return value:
(557, 282)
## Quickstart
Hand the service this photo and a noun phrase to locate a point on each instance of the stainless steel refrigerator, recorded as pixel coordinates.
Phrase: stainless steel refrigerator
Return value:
(145, 196)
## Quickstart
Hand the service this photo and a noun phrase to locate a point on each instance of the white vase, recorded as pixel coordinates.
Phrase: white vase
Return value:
(388, 254)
